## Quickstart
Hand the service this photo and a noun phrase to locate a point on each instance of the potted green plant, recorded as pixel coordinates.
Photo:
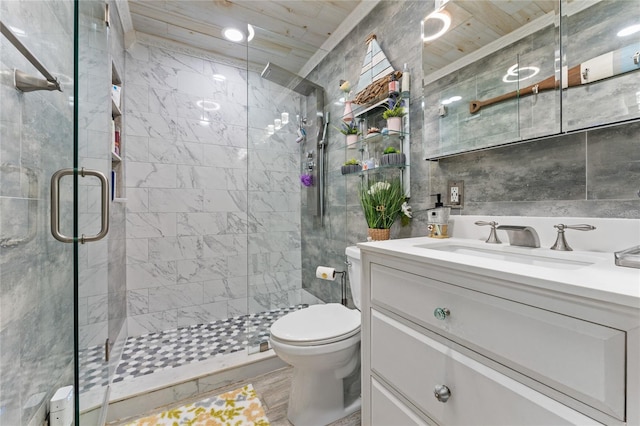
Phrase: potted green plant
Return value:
(351, 166)
(383, 202)
(392, 156)
(393, 114)
(350, 130)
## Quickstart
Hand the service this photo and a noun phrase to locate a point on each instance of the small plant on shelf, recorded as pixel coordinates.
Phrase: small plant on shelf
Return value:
(391, 150)
(351, 166)
(349, 128)
(392, 157)
(395, 108)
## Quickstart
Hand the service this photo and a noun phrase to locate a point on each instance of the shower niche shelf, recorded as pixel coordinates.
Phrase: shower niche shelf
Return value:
(116, 141)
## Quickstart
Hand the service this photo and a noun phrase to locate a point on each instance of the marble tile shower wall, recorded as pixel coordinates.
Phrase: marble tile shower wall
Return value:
(588, 174)
(36, 274)
(213, 226)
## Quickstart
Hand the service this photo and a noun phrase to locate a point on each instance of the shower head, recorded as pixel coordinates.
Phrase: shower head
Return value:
(288, 79)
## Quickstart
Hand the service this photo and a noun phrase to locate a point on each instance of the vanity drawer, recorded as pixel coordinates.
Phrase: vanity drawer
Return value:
(414, 364)
(387, 410)
(578, 358)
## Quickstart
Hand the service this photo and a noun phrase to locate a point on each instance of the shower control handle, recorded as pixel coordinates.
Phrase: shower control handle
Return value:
(441, 313)
(442, 393)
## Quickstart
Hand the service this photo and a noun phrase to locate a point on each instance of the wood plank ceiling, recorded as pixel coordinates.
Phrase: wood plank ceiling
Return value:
(288, 32)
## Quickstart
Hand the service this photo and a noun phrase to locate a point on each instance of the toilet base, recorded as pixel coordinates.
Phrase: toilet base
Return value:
(307, 408)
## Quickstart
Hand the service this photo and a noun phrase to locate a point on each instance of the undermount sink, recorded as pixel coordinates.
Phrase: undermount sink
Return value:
(526, 256)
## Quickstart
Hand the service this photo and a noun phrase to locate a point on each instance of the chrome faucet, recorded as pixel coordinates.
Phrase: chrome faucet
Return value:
(524, 236)
(561, 242)
(493, 237)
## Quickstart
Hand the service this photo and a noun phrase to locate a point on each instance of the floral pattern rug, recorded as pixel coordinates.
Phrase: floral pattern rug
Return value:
(237, 407)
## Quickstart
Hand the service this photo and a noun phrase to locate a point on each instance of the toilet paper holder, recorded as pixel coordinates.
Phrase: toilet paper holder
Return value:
(329, 274)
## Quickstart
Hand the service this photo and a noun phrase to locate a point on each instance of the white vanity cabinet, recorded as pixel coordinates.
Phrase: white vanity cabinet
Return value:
(498, 351)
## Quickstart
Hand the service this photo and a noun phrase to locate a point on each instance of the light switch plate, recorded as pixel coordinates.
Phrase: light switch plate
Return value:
(455, 194)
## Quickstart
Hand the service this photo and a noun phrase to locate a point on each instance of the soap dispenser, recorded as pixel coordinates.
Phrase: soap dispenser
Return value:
(438, 219)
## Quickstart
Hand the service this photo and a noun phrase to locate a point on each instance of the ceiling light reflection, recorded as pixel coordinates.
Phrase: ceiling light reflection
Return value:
(17, 31)
(629, 30)
(450, 100)
(440, 23)
(514, 73)
(208, 105)
(251, 32)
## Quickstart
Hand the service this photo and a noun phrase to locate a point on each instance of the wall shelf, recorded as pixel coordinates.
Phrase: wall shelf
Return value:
(371, 148)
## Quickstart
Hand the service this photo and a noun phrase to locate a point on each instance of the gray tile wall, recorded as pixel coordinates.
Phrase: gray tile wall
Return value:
(36, 275)
(588, 174)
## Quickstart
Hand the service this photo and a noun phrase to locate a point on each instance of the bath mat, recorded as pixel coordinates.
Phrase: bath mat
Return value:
(237, 407)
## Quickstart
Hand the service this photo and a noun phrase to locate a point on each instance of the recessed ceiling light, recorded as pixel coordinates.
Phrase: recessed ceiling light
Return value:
(219, 77)
(233, 34)
(629, 30)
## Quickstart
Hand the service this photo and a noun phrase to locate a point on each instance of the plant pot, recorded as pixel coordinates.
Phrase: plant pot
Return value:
(379, 234)
(393, 159)
(351, 168)
(394, 124)
(352, 141)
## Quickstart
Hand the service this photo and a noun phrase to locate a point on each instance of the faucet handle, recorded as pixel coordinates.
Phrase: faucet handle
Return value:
(493, 237)
(561, 242)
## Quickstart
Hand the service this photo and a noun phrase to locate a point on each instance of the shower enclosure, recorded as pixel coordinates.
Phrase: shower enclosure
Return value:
(232, 250)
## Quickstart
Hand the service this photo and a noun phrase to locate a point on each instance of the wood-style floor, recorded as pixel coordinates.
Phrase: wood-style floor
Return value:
(273, 390)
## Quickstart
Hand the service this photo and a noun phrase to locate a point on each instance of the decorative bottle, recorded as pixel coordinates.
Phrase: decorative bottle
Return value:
(406, 82)
(394, 85)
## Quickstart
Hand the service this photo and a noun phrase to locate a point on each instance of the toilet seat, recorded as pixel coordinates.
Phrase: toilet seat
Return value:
(317, 325)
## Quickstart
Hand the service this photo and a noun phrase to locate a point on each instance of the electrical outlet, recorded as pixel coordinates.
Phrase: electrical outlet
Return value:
(455, 194)
(455, 199)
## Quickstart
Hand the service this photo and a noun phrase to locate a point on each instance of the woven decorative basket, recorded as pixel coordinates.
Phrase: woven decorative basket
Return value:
(376, 91)
(379, 234)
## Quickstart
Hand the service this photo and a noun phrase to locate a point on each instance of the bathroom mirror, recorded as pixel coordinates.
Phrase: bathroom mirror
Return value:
(493, 77)
(490, 78)
(601, 41)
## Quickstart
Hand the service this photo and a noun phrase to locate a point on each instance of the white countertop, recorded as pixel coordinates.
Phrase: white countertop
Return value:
(586, 273)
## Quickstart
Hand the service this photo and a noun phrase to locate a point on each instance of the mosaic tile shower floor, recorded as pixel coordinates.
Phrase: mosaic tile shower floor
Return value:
(153, 352)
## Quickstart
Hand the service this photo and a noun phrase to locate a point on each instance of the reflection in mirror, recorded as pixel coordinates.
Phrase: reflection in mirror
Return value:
(601, 41)
(492, 77)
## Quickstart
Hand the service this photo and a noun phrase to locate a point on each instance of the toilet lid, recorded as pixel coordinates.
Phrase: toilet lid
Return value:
(317, 324)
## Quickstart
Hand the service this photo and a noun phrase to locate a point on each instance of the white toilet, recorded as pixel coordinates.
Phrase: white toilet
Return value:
(322, 343)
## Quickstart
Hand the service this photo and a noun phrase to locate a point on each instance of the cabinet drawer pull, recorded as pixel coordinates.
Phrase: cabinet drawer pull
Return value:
(442, 393)
(441, 313)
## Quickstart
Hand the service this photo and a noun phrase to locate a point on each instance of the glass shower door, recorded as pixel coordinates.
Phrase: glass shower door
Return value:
(36, 271)
(96, 300)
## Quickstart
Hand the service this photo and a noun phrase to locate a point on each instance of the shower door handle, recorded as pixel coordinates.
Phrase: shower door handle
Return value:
(55, 205)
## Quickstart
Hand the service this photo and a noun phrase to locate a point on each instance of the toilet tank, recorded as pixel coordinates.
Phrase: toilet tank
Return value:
(353, 256)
